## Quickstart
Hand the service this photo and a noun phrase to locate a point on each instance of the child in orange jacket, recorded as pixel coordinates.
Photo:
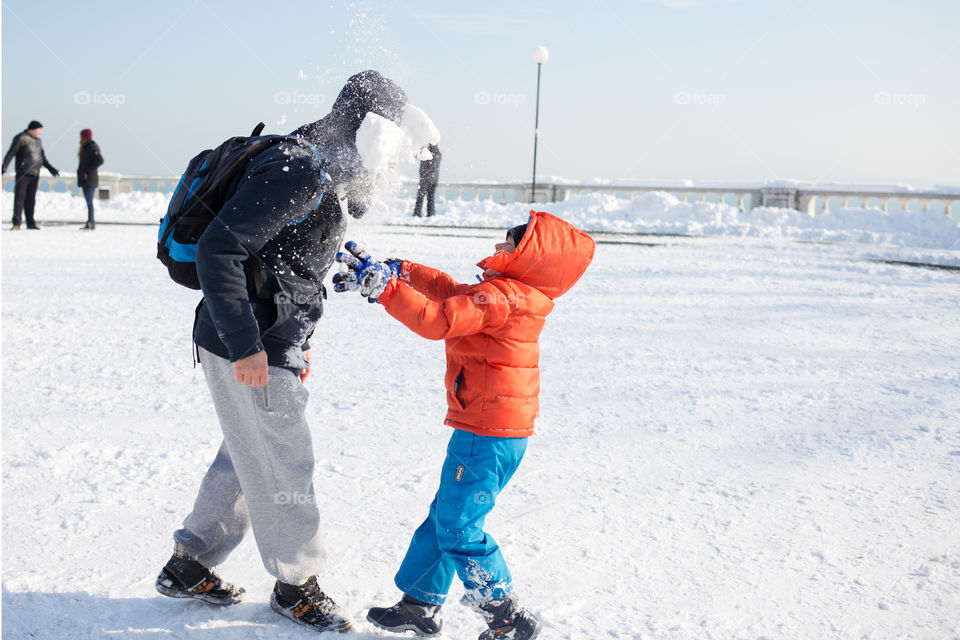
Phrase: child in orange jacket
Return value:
(491, 330)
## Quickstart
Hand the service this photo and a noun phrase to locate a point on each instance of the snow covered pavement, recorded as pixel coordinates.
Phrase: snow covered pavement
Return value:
(740, 438)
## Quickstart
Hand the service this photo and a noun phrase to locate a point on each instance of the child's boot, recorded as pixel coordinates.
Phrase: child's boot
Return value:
(505, 619)
(410, 614)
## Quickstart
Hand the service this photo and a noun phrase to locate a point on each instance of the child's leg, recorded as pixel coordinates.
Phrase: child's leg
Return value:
(426, 572)
(477, 468)
(460, 516)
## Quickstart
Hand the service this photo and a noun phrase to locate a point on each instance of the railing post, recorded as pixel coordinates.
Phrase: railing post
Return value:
(807, 204)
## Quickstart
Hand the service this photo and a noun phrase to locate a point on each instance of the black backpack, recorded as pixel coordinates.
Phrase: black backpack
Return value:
(210, 179)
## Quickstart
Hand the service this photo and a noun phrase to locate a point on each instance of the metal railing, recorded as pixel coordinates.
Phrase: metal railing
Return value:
(812, 199)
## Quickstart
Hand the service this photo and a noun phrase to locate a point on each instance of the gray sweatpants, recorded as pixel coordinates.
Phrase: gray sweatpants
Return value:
(262, 476)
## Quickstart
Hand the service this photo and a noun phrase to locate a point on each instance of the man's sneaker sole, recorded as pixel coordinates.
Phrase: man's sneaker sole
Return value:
(402, 628)
(286, 613)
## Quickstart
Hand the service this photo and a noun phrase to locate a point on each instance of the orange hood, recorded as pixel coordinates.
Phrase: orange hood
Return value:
(551, 256)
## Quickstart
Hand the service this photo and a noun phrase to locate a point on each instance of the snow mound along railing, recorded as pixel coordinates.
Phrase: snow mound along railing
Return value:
(806, 197)
(810, 198)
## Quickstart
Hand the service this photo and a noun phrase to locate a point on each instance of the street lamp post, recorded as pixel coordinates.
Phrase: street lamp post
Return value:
(539, 55)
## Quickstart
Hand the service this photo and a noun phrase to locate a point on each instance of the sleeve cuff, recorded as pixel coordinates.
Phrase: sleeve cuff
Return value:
(243, 343)
(389, 292)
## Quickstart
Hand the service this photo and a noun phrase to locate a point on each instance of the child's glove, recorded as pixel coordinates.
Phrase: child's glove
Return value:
(394, 264)
(360, 272)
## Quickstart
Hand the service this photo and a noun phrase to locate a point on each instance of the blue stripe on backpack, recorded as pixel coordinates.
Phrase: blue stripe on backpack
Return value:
(213, 176)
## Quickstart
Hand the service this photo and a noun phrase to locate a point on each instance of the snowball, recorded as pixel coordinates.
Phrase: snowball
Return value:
(419, 127)
(380, 142)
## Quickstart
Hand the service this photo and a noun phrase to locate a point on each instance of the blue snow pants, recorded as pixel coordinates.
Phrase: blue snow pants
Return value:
(451, 541)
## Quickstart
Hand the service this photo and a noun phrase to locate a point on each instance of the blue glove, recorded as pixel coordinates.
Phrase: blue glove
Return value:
(360, 272)
(394, 264)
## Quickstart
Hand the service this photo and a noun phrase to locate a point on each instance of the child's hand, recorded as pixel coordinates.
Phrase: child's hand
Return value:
(360, 272)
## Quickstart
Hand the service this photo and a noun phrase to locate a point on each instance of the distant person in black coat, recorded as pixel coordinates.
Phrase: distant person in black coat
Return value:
(429, 177)
(87, 177)
(30, 157)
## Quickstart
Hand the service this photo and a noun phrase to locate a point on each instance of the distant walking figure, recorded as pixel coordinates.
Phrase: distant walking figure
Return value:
(28, 150)
(87, 177)
(429, 177)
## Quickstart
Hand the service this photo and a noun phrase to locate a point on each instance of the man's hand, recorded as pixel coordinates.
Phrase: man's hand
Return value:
(306, 372)
(252, 370)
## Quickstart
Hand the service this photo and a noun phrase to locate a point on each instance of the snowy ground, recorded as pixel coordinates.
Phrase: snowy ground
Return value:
(742, 437)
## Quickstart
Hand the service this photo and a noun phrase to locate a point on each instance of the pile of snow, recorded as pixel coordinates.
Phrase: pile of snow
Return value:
(663, 213)
(650, 213)
(138, 207)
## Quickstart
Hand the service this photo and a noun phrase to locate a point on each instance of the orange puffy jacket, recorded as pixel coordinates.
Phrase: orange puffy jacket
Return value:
(492, 328)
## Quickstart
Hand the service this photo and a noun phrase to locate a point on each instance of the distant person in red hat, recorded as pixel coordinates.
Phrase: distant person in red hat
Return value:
(30, 157)
(87, 177)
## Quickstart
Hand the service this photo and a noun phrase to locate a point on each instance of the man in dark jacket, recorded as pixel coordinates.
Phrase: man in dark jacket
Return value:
(87, 176)
(261, 263)
(28, 150)
(429, 177)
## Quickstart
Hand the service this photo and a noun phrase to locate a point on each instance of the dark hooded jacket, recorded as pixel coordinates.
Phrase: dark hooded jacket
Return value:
(30, 156)
(90, 159)
(262, 261)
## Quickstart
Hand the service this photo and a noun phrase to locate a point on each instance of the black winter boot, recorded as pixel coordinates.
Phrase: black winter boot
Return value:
(184, 577)
(410, 614)
(306, 604)
(505, 619)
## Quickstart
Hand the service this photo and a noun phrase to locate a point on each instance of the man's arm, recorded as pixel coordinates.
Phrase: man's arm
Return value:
(12, 151)
(268, 199)
(43, 158)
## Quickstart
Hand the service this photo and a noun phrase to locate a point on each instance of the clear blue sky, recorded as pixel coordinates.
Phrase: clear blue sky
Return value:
(819, 90)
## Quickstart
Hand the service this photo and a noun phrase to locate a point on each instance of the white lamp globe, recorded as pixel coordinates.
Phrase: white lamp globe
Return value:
(540, 55)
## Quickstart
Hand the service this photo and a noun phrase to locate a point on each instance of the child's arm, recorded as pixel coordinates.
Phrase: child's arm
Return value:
(484, 309)
(433, 283)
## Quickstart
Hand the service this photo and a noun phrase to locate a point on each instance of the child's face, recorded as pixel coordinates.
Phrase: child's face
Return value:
(508, 245)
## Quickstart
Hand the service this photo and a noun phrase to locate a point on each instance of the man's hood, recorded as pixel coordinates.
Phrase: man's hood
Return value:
(364, 92)
(369, 92)
(335, 134)
(551, 256)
